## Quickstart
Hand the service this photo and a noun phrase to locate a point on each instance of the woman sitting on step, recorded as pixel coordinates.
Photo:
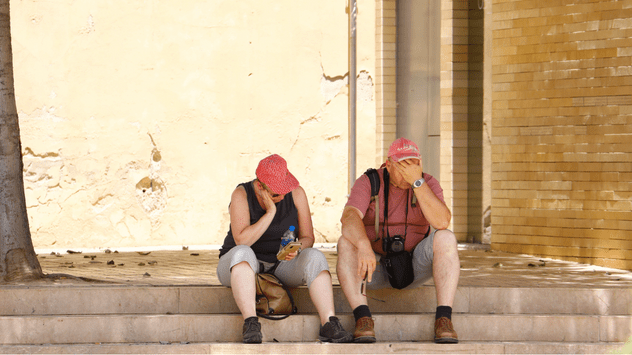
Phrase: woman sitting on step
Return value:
(261, 210)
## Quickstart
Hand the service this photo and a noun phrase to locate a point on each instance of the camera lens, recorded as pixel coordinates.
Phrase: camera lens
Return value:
(397, 244)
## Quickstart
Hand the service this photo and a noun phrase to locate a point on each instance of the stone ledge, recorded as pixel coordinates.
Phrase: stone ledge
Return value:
(319, 348)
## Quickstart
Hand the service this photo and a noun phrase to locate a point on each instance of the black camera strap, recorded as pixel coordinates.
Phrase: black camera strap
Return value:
(387, 186)
(406, 220)
(374, 178)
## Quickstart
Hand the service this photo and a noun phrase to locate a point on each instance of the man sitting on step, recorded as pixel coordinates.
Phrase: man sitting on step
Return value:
(393, 245)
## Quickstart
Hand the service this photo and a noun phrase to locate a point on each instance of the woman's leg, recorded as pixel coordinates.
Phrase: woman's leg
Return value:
(236, 269)
(310, 267)
(242, 279)
(322, 296)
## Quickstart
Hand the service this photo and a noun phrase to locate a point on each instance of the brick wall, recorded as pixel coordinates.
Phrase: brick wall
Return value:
(562, 130)
(454, 112)
(475, 141)
(386, 74)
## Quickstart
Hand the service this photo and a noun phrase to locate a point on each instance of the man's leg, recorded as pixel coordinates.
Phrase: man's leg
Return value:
(347, 269)
(446, 269)
(351, 283)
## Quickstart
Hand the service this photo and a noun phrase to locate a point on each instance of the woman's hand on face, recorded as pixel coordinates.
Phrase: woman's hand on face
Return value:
(266, 198)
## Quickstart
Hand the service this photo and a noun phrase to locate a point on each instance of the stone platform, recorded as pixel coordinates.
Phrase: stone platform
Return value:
(170, 301)
(479, 267)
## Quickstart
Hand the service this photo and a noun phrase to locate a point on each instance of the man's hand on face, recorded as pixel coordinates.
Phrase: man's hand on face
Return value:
(410, 169)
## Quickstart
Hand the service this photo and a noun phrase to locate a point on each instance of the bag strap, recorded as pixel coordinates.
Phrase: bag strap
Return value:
(267, 316)
(386, 190)
(374, 178)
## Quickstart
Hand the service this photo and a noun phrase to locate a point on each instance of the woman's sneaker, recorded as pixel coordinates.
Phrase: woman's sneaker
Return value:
(252, 331)
(333, 332)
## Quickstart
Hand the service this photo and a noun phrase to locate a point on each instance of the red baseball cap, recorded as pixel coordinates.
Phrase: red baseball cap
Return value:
(403, 149)
(273, 172)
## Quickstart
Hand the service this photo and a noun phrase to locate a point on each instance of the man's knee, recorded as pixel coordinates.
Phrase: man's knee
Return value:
(347, 255)
(445, 238)
(345, 246)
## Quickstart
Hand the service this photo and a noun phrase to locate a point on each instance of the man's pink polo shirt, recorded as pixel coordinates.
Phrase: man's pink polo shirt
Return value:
(360, 198)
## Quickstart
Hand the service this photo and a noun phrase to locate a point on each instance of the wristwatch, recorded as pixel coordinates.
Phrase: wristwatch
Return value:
(418, 183)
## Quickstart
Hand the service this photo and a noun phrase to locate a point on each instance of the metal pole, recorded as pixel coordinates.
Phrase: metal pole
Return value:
(352, 91)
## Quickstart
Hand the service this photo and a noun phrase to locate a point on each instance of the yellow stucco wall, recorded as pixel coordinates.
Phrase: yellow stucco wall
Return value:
(139, 118)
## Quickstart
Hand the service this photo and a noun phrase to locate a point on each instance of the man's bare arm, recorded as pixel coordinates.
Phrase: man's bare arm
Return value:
(354, 232)
(435, 211)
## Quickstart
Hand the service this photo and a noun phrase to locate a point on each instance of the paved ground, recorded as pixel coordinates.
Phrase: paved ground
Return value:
(479, 267)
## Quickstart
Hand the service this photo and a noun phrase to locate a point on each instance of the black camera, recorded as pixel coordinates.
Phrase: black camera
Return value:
(393, 244)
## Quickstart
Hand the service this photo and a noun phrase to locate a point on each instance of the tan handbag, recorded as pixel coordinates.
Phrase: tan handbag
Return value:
(274, 300)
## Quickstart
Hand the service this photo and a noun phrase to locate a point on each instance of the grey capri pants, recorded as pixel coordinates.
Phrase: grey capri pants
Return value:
(301, 270)
(422, 266)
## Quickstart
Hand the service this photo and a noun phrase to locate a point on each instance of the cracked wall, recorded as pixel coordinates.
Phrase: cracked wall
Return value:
(139, 119)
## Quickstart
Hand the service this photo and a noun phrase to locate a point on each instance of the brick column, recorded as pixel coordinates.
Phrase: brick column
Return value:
(386, 74)
(454, 106)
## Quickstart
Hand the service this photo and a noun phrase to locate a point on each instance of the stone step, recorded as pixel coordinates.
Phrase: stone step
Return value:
(320, 348)
(304, 328)
(84, 300)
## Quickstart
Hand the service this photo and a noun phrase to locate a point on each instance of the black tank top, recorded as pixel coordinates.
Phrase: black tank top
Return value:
(268, 245)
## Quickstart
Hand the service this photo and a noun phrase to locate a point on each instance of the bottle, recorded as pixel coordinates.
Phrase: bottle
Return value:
(288, 236)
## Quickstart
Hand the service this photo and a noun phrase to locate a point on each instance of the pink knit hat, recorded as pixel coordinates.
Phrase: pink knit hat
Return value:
(403, 149)
(273, 172)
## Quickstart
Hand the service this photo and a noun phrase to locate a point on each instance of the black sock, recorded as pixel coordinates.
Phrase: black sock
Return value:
(361, 311)
(444, 311)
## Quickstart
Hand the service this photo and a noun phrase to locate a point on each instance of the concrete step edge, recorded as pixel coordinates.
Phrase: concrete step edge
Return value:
(219, 300)
(375, 315)
(301, 328)
(318, 348)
